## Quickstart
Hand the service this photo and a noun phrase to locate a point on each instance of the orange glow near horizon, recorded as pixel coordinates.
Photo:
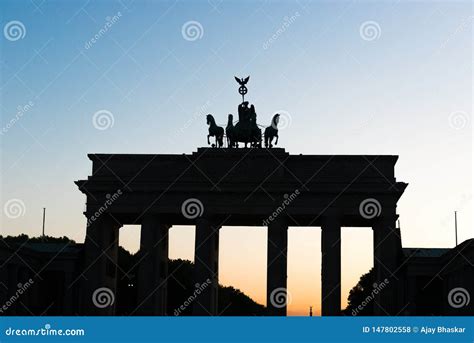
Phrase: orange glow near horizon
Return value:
(243, 258)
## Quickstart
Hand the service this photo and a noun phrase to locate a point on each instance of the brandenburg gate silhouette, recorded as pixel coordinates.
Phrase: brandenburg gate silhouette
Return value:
(215, 187)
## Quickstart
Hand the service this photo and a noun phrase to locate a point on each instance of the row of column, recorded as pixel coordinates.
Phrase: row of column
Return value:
(101, 256)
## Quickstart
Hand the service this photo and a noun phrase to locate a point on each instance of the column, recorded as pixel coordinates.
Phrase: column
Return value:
(12, 286)
(153, 268)
(387, 245)
(24, 305)
(331, 266)
(206, 258)
(4, 278)
(68, 292)
(277, 248)
(99, 278)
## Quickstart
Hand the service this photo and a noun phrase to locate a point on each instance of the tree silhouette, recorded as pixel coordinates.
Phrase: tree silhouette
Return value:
(359, 294)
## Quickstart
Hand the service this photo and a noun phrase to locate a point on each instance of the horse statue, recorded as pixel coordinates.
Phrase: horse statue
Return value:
(215, 131)
(272, 132)
(229, 132)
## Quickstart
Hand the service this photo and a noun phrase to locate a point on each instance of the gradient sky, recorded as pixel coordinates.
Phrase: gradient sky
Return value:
(407, 92)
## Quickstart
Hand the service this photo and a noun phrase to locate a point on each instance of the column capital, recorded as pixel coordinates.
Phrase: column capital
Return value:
(154, 218)
(107, 219)
(279, 221)
(385, 220)
(331, 219)
(208, 221)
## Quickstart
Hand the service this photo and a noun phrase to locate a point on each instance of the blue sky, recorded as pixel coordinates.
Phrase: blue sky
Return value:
(407, 92)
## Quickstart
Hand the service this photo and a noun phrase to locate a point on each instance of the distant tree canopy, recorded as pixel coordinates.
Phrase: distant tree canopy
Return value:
(231, 302)
(24, 238)
(360, 295)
